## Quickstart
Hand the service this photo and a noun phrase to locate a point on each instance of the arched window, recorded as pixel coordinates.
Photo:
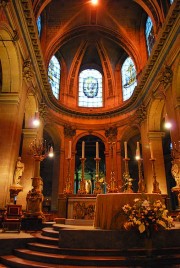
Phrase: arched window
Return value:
(39, 25)
(129, 81)
(149, 32)
(90, 88)
(54, 76)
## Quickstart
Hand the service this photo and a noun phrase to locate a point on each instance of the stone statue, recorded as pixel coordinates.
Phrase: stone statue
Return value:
(19, 169)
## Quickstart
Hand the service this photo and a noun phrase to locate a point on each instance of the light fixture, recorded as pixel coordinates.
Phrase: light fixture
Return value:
(36, 121)
(94, 2)
(51, 152)
(167, 123)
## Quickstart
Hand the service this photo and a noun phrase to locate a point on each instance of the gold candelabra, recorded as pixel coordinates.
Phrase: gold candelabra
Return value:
(127, 178)
(141, 183)
(82, 189)
(68, 188)
(175, 171)
(155, 182)
(97, 189)
(112, 186)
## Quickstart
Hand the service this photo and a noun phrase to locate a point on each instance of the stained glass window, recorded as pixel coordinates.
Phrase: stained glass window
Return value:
(39, 25)
(54, 76)
(149, 31)
(129, 81)
(90, 88)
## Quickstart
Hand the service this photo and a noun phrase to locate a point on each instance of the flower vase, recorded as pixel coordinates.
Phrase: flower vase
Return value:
(148, 247)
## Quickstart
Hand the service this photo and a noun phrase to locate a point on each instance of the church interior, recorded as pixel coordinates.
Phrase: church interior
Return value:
(89, 121)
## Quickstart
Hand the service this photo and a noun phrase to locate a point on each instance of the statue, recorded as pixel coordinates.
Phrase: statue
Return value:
(19, 169)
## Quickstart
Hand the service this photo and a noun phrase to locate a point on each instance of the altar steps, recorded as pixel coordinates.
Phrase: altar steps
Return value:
(29, 258)
(47, 251)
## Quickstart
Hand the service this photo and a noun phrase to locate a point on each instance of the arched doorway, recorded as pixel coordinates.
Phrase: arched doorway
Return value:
(90, 163)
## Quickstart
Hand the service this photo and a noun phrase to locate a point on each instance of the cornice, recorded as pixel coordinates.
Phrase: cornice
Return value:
(24, 10)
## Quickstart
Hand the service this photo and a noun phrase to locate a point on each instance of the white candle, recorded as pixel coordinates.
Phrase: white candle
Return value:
(97, 150)
(125, 149)
(138, 150)
(83, 148)
(151, 150)
(69, 152)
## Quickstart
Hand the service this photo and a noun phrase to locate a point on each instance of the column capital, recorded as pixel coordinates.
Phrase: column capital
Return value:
(156, 134)
(9, 98)
(29, 132)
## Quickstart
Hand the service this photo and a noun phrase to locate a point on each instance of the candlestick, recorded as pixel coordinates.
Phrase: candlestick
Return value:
(125, 149)
(141, 183)
(155, 182)
(151, 150)
(97, 189)
(112, 187)
(128, 180)
(138, 150)
(67, 189)
(82, 189)
(83, 149)
(97, 150)
(69, 152)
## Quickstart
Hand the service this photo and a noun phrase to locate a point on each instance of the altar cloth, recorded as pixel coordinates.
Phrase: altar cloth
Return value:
(108, 206)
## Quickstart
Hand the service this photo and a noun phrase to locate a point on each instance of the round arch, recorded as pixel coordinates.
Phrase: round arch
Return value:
(9, 57)
(155, 115)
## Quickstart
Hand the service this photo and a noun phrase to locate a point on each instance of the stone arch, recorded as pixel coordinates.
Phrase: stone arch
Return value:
(155, 115)
(86, 133)
(54, 163)
(9, 57)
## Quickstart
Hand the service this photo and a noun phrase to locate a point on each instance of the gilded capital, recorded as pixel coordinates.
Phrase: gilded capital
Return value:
(166, 76)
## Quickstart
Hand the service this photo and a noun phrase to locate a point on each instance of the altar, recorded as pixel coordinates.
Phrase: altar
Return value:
(108, 206)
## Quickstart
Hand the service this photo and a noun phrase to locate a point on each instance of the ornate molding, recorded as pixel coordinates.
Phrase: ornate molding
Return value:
(27, 70)
(166, 76)
(111, 133)
(141, 113)
(3, 3)
(69, 131)
(43, 110)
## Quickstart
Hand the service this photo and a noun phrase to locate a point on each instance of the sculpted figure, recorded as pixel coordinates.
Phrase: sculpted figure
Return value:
(18, 171)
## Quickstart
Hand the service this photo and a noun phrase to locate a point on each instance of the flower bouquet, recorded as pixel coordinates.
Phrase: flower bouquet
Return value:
(147, 216)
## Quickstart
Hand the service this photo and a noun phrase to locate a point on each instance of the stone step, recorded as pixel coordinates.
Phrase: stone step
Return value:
(13, 261)
(79, 222)
(100, 252)
(96, 260)
(46, 239)
(50, 232)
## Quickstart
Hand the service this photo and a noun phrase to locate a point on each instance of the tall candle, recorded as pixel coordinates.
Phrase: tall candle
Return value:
(125, 149)
(151, 150)
(97, 150)
(69, 151)
(83, 148)
(138, 150)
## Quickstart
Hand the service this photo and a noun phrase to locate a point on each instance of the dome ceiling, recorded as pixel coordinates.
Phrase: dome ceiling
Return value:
(106, 33)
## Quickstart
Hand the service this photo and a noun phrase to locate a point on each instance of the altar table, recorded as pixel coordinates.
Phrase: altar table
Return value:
(108, 205)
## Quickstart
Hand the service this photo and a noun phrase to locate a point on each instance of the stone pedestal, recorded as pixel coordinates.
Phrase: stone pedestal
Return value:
(14, 191)
(34, 199)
